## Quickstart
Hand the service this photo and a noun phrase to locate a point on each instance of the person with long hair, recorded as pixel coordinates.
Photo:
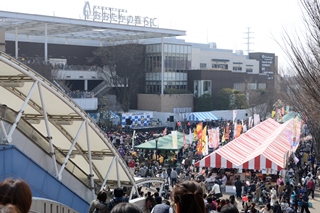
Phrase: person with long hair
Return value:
(99, 203)
(16, 193)
(188, 198)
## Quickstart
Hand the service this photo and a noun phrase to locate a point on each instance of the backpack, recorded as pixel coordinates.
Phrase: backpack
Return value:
(310, 184)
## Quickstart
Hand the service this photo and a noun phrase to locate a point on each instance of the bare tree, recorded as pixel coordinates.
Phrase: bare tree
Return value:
(303, 89)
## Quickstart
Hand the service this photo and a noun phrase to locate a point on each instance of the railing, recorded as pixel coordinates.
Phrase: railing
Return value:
(41, 205)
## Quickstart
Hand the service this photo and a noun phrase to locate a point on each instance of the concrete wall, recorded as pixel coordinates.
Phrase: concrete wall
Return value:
(164, 103)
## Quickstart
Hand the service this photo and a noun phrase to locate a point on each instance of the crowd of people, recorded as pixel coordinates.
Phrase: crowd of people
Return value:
(191, 189)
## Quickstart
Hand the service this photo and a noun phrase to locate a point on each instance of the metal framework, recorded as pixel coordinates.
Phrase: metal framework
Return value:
(66, 127)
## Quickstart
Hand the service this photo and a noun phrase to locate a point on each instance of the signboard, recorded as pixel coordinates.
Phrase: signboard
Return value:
(267, 62)
(116, 16)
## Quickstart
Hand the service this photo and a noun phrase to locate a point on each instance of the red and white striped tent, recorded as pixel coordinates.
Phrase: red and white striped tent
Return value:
(263, 146)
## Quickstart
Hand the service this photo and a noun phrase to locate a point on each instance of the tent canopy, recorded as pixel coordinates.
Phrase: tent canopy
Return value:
(290, 115)
(201, 116)
(164, 143)
(263, 146)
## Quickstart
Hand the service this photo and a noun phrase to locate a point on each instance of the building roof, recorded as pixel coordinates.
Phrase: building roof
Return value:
(47, 115)
(29, 25)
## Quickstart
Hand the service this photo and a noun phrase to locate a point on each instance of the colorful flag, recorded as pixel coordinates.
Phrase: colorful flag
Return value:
(204, 139)
(164, 131)
(199, 147)
(273, 113)
(239, 129)
(174, 139)
(199, 130)
(223, 139)
(227, 132)
(213, 137)
(210, 138)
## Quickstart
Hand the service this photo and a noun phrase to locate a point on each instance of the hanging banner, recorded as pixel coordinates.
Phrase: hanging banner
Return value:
(190, 137)
(199, 130)
(234, 116)
(227, 132)
(174, 139)
(133, 135)
(256, 119)
(239, 129)
(210, 138)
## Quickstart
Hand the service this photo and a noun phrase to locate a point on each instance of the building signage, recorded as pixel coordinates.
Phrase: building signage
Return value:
(116, 16)
(267, 62)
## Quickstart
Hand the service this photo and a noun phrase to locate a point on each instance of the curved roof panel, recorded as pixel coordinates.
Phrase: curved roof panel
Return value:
(74, 138)
(67, 28)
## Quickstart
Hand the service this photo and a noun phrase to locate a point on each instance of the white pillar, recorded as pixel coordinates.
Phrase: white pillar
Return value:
(46, 43)
(86, 85)
(162, 68)
(16, 44)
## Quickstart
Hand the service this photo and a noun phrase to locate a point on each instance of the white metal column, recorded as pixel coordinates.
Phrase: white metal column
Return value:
(108, 172)
(46, 43)
(4, 132)
(49, 137)
(70, 150)
(162, 67)
(90, 160)
(117, 170)
(86, 85)
(25, 103)
(16, 44)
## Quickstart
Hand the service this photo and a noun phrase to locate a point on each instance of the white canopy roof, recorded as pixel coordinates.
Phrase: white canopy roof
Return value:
(53, 121)
(31, 25)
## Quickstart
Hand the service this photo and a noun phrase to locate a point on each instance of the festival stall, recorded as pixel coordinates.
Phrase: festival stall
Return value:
(266, 146)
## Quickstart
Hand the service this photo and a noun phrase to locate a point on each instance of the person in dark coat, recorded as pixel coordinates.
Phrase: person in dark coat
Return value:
(238, 185)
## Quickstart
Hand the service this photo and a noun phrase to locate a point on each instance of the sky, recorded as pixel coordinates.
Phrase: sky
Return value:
(224, 22)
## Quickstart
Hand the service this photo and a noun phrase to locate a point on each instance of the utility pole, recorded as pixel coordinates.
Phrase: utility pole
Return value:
(248, 38)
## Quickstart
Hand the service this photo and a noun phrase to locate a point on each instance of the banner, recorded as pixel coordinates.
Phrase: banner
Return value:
(234, 116)
(174, 139)
(199, 147)
(256, 119)
(239, 129)
(227, 132)
(164, 131)
(210, 138)
(204, 139)
(190, 136)
(213, 137)
(133, 135)
(199, 130)
(205, 148)
(223, 138)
